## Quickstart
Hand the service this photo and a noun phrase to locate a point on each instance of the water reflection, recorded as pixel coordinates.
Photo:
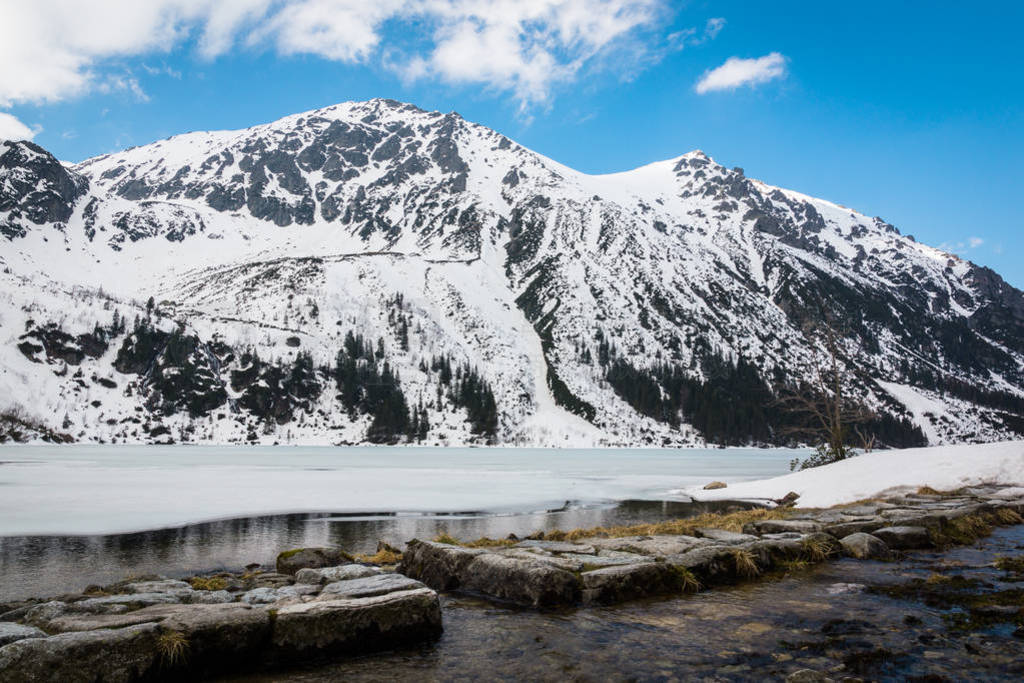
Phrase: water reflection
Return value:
(50, 565)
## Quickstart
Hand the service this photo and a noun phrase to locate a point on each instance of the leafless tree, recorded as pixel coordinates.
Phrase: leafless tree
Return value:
(824, 412)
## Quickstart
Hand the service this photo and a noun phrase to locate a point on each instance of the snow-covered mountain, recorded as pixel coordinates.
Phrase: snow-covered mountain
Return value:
(373, 271)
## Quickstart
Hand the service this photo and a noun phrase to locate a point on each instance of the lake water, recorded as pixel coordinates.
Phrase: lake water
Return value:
(75, 515)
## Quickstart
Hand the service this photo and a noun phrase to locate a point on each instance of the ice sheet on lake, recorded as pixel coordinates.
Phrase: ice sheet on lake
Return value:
(113, 489)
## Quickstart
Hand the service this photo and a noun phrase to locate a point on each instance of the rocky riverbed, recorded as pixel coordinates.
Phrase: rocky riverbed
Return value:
(320, 604)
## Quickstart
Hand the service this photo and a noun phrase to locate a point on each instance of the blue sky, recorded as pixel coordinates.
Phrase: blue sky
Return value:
(910, 111)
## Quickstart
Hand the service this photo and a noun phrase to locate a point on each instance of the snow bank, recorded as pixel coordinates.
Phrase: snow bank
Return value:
(865, 476)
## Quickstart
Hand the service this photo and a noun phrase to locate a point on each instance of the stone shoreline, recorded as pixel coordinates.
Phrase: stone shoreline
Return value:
(320, 603)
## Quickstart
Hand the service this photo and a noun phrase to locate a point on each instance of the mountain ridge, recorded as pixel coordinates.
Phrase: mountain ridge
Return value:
(450, 243)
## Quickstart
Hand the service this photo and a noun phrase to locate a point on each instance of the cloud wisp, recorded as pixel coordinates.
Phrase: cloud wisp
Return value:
(58, 49)
(737, 72)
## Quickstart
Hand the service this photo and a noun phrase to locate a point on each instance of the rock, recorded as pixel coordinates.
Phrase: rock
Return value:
(356, 625)
(865, 546)
(723, 536)
(221, 638)
(808, 676)
(259, 596)
(711, 564)
(377, 584)
(208, 597)
(629, 582)
(845, 528)
(775, 526)
(271, 580)
(108, 655)
(905, 537)
(611, 558)
(292, 561)
(524, 582)
(566, 562)
(42, 615)
(91, 622)
(11, 632)
(715, 485)
(788, 500)
(654, 546)
(558, 547)
(110, 604)
(327, 575)
(164, 586)
(438, 565)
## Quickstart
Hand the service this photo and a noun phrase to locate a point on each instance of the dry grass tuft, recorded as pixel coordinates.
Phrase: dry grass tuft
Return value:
(208, 583)
(787, 566)
(744, 563)
(928, 491)
(383, 556)
(688, 581)
(486, 542)
(445, 537)
(816, 549)
(1006, 516)
(173, 647)
(1013, 565)
(732, 521)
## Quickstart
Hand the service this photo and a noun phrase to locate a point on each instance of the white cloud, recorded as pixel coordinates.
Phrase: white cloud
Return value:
(13, 129)
(975, 242)
(713, 28)
(962, 245)
(55, 49)
(737, 72)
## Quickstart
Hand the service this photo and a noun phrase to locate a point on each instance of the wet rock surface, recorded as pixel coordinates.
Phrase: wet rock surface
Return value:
(160, 628)
(544, 573)
(829, 621)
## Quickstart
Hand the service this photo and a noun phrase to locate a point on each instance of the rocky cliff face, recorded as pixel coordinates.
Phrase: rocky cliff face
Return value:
(375, 272)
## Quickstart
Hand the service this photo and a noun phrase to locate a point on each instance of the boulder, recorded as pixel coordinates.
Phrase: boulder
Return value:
(865, 546)
(368, 586)
(108, 655)
(220, 638)
(327, 575)
(788, 500)
(905, 537)
(356, 625)
(711, 564)
(11, 632)
(524, 582)
(292, 561)
(629, 582)
(438, 565)
(715, 485)
(565, 562)
(208, 597)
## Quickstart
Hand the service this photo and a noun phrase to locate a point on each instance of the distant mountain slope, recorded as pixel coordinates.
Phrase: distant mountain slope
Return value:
(375, 272)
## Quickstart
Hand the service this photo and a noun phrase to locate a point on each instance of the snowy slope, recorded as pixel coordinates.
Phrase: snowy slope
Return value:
(443, 238)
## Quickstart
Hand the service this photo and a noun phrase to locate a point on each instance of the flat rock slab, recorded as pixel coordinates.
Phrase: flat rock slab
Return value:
(655, 546)
(565, 562)
(109, 655)
(326, 575)
(11, 632)
(559, 547)
(356, 624)
(609, 558)
(524, 582)
(723, 536)
(368, 586)
(905, 537)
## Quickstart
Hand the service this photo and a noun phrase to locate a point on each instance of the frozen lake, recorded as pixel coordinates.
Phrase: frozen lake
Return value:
(87, 490)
